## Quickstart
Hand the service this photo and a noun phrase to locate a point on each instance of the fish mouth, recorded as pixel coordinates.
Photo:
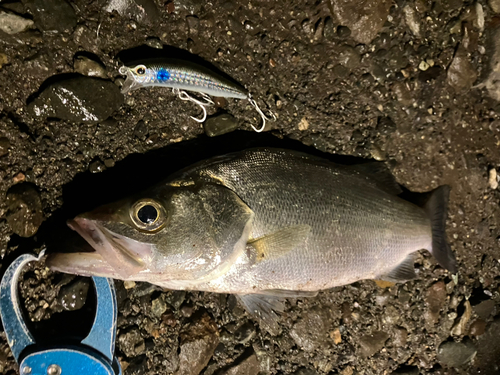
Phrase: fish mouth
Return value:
(114, 255)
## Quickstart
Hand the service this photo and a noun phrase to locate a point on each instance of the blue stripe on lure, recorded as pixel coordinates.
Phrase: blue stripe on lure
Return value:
(184, 76)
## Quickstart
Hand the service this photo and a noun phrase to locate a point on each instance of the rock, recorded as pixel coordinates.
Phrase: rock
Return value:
(245, 333)
(349, 57)
(303, 124)
(220, 124)
(305, 371)
(198, 344)
(371, 344)
(97, 166)
(158, 307)
(484, 309)
(131, 343)
(127, 284)
(460, 327)
(143, 11)
(73, 296)
(336, 336)
(435, 299)
(4, 60)
(4, 146)
(364, 18)
(489, 350)
(13, 24)
(400, 337)
(191, 6)
(248, 366)
(24, 209)
(53, 15)
(456, 354)
(461, 73)
(78, 99)
(412, 19)
(406, 370)
(154, 42)
(89, 67)
(311, 332)
(494, 5)
(493, 179)
(478, 327)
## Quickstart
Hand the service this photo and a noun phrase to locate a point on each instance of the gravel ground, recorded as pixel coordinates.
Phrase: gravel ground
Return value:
(415, 84)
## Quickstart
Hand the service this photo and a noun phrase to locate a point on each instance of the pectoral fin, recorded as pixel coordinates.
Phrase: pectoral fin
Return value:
(279, 243)
(264, 308)
(403, 272)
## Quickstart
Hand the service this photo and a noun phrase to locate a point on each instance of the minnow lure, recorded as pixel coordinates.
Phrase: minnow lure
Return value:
(184, 76)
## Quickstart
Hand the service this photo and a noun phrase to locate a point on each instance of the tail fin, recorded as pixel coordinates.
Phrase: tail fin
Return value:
(437, 209)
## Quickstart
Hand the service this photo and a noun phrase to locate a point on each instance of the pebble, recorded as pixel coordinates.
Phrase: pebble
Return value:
(306, 371)
(365, 19)
(484, 309)
(24, 209)
(336, 336)
(221, 124)
(198, 343)
(371, 344)
(129, 284)
(349, 57)
(494, 5)
(143, 11)
(478, 327)
(191, 6)
(423, 66)
(53, 15)
(400, 337)
(109, 163)
(412, 20)
(89, 67)
(96, 167)
(406, 370)
(4, 60)
(303, 124)
(247, 366)
(492, 180)
(79, 99)
(131, 343)
(73, 296)
(158, 307)
(459, 328)
(311, 331)
(435, 299)
(456, 354)
(489, 350)
(4, 146)
(154, 42)
(461, 73)
(13, 24)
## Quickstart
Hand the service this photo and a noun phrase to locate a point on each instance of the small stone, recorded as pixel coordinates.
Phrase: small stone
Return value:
(484, 309)
(406, 370)
(423, 66)
(349, 57)
(245, 333)
(489, 350)
(198, 343)
(371, 344)
(109, 163)
(131, 343)
(143, 11)
(364, 18)
(89, 67)
(154, 42)
(187, 310)
(400, 337)
(24, 209)
(492, 180)
(478, 327)
(460, 327)
(158, 307)
(336, 336)
(343, 32)
(311, 332)
(248, 366)
(306, 371)
(4, 60)
(191, 6)
(193, 24)
(128, 284)
(79, 99)
(73, 296)
(221, 124)
(435, 299)
(53, 15)
(456, 354)
(20, 177)
(340, 71)
(412, 19)
(494, 5)
(461, 73)
(96, 167)
(303, 124)
(13, 24)
(4, 146)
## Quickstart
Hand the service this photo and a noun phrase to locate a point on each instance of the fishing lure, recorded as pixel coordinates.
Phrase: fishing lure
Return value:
(183, 76)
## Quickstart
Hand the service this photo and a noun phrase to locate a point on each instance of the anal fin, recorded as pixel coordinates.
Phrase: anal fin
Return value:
(403, 272)
(264, 308)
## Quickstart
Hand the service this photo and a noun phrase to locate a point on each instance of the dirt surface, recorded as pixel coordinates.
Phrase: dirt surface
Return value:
(411, 83)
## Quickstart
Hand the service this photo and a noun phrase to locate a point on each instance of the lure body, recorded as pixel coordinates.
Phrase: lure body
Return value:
(181, 75)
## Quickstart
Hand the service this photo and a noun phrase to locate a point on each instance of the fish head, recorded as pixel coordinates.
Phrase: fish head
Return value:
(137, 76)
(173, 236)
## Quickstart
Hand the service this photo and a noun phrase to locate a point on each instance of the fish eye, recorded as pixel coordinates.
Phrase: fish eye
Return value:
(140, 70)
(147, 214)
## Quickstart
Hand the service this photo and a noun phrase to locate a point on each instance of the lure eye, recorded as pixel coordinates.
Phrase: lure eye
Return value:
(148, 215)
(140, 70)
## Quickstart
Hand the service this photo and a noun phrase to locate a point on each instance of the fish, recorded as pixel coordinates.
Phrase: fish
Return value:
(263, 224)
(182, 76)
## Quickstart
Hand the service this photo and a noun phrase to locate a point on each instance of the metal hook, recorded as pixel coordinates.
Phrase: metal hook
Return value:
(262, 115)
(183, 95)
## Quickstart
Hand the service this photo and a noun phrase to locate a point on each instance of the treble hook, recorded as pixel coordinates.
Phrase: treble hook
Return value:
(262, 115)
(183, 95)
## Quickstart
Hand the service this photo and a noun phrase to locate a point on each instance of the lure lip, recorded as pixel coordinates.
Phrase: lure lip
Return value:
(130, 83)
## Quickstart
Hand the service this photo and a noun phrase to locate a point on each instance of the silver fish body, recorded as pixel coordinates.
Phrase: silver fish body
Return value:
(262, 223)
(182, 75)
